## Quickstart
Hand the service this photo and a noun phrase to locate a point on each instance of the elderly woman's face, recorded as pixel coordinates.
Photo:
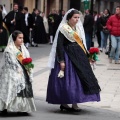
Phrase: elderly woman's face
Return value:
(74, 19)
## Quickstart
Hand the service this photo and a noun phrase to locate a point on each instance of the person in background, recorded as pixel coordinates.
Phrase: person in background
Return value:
(98, 29)
(27, 27)
(53, 21)
(45, 22)
(71, 80)
(88, 27)
(104, 30)
(39, 33)
(95, 15)
(3, 31)
(4, 12)
(13, 19)
(61, 15)
(113, 25)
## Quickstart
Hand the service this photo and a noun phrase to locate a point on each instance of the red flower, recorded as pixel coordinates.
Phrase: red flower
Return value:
(26, 61)
(94, 50)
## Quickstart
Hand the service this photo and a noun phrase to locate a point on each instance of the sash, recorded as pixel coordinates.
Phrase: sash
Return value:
(72, 36)
(6, 28)
(19, 56)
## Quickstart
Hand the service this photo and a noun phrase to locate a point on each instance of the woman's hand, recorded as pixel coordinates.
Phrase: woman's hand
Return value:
(1, 30)
(62, 65)
(91, 61)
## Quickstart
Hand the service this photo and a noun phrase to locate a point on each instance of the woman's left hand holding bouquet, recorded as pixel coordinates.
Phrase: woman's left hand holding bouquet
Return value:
(62, 65)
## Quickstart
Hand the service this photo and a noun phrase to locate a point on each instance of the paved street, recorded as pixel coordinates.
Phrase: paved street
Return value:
(109, 79)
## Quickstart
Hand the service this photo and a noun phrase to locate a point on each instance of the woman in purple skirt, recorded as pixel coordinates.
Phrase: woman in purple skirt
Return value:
(71, 80)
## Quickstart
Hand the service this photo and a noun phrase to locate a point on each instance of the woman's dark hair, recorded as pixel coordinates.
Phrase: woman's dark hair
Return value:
(15, 34)
(26, 8)
(118, 7)
(1, 7)
(108, 11)
(69, 16)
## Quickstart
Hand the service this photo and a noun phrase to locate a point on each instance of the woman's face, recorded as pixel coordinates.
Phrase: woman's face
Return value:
(74, 19)
(19, 40)
(106, 12)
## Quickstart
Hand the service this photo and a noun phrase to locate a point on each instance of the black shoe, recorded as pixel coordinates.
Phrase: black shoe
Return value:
(76, 109)
(36, 45)
(2, 50)
(22, 113)
(50, 43)
(4, 112)
(107, 53)
(65, 108)
(32, 46)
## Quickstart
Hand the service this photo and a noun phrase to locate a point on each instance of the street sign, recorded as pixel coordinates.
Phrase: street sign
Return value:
(86, 4)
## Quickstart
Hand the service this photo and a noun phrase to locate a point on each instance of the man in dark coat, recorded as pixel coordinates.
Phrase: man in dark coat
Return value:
(88, 27)
(1, 18)
(27, 26)
(53, 21)
(13, 19)
(3, 32)
(61, 15)
(39, 34)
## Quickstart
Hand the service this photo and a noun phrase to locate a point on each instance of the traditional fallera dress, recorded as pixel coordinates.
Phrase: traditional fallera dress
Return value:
(79, 83)
(16, 94)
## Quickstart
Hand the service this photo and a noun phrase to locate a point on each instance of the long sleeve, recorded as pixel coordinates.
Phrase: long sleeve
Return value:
(109, 24)
(9, 17)
(60, 47)
(0, 20)
(30, 21)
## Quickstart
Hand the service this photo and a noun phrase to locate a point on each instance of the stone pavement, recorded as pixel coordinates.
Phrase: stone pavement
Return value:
(107, 74)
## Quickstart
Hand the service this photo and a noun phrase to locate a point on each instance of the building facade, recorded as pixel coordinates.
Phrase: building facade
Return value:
(101, 5)
(47, 5)
(42, 5)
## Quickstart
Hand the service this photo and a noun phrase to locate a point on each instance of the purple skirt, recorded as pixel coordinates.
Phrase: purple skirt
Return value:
(67, 90)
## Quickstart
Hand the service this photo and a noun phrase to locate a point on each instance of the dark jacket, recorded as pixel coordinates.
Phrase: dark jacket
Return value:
(103, 21)
(9, 17)
(88, 23)
(0, 20)
(30, 20)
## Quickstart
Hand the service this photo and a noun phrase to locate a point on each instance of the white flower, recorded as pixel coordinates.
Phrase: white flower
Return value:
(61, 74)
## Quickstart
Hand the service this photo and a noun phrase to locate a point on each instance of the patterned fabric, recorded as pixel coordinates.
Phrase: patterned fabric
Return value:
(12, 77)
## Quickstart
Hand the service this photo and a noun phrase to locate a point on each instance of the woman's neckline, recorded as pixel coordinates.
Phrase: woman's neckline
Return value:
(73, 28)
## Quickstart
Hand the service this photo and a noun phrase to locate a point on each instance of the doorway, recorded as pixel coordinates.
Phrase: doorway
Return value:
(75, 4)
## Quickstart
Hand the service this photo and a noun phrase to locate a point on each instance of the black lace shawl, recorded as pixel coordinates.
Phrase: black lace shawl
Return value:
(80, 62)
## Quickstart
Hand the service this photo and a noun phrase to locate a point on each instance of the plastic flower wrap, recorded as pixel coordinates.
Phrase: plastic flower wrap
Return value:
(93, 55)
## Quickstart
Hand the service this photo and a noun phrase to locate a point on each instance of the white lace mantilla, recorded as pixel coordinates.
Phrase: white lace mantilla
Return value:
(12, 79)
